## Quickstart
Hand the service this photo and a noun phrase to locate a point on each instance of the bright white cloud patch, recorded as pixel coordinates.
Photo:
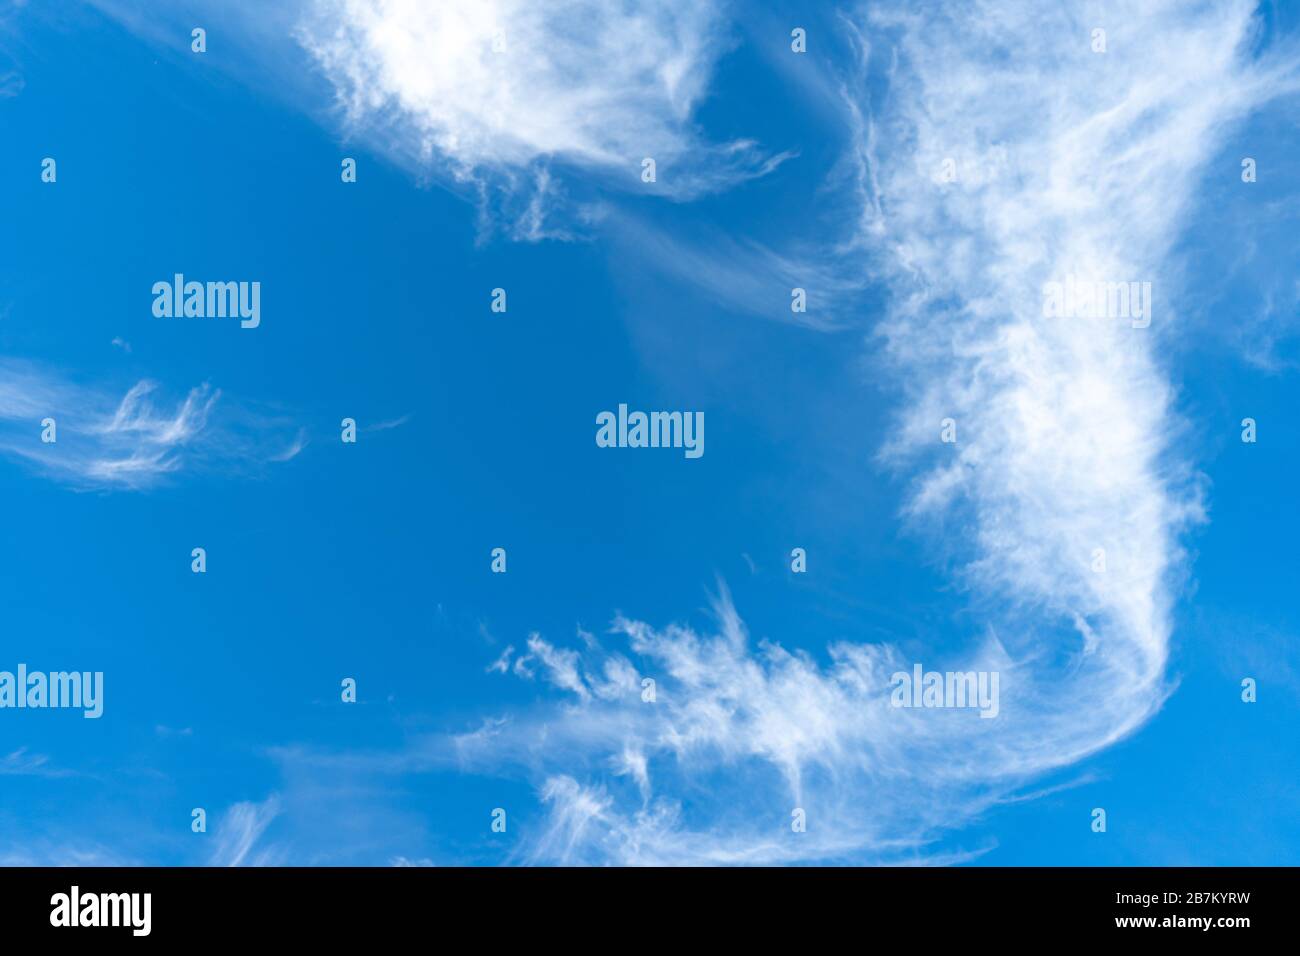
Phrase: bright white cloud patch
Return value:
(497, 85)
(1070, 164)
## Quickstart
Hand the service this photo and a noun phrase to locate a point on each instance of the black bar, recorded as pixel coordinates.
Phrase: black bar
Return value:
(535, 905)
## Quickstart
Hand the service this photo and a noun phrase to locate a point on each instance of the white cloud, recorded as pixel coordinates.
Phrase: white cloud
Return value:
(537, 111)
(133, 441)
(162, 730)
(46, 853)
(748, 277)
(1070, 163)
(388, 424)
(502, 663)
(239, 831)
(496, 86)
(559, 666)
(20, 763)
(749, 734)
(294, 448)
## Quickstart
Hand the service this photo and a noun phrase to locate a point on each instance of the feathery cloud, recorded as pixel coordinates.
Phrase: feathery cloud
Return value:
(504, 82)
(239, 832)
(132, 442)
(493, 93)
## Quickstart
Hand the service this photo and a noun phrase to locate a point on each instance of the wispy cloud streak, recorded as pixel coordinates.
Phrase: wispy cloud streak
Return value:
(239, 832)
(134, 441)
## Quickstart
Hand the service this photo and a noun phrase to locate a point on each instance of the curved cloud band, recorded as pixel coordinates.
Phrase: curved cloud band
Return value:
(1014, 153)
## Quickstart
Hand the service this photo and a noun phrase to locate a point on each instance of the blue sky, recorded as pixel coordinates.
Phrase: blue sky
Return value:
(520, 168)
